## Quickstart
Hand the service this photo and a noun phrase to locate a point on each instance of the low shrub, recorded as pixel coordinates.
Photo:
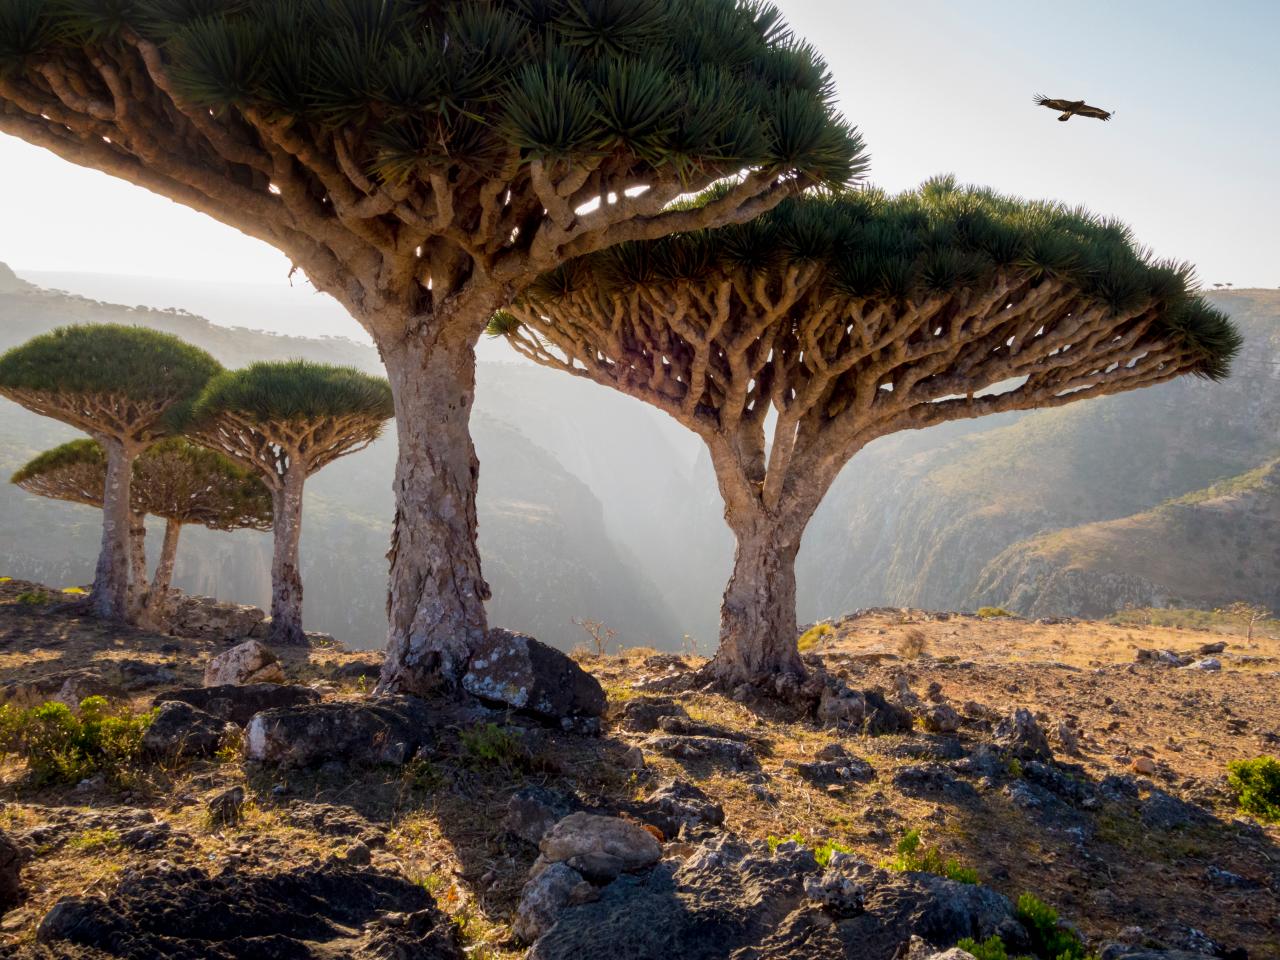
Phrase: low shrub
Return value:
(1049, 941)
(61, 746)
(814, 635)
(487, 744)
(913, 856)
(990, 949)
(988, 613)
(913, 644)
(33, 598)
(1256, 785)
(822, 849)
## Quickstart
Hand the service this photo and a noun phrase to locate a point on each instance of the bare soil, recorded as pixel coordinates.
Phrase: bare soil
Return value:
(439, 820)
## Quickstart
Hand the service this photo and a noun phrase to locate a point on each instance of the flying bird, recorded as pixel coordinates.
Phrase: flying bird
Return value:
(1073, 108)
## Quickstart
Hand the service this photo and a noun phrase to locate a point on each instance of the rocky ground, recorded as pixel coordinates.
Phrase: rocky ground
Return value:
(691, 824)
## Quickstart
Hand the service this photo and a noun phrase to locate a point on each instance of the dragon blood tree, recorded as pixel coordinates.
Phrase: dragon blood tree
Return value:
(422, 163)
(285, 421)
(788, 344)
(176, 480)
(122, 386)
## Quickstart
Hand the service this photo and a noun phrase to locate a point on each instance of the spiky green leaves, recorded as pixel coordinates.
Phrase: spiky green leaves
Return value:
(174, 479)
(294, 390)
(675, 84)
(933, 241)
(108, 359)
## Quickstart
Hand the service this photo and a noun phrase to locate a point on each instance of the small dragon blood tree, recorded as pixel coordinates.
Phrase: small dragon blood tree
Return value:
(790, 343)
(122, 386)
(176, 480)
(285, 421)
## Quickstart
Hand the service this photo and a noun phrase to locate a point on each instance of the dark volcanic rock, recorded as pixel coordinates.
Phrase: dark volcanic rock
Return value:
(1019, 735)
(931, 780)
(716, 750)
(643, 714)
(185, 914)
(11, 860)
(678, 804)
(533, 811)
(239, 702)
(883, 716)
(382, 730)
(729, 897)
(527, 674)
(180, 730)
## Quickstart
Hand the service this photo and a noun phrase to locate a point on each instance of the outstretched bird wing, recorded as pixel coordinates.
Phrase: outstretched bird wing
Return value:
(1053, 104)
(1096, 112)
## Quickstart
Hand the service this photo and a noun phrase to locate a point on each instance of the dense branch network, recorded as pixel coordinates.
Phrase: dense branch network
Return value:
(398, 208)
(789, 344)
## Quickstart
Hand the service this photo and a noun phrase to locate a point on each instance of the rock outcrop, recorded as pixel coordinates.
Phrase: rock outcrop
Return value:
(248, 662)
(239, 702)
(381, 730)
(527, 674)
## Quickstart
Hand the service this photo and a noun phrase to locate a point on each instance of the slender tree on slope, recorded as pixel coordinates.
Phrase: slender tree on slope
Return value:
(422, 163)
(286, 421)
(122, 386)
(849, 318)
(176, 480)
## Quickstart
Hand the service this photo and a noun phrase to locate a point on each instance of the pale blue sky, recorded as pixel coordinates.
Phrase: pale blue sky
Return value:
(1191, 159)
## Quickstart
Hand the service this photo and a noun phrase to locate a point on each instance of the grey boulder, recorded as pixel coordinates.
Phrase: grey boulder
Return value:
(382, 730)
(525, 673)
(238, 702)
(181, 731)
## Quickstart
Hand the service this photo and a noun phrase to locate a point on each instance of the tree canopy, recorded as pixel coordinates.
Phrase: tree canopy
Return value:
(106, 378)
(173, 479)
(852, 315)
(425, 132)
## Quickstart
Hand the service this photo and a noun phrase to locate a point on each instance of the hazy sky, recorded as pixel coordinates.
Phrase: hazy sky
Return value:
(1191, 158)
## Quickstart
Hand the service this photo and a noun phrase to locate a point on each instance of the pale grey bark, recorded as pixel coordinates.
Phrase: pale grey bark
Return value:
(109, 598)
(436, 596)
(137, 559)
(286, 577)
(155, 610)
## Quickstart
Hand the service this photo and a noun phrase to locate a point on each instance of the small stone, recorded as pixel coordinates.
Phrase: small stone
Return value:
(1208, 663)
(1020, 736)
(248, 662)
(11, 860)
(1144, 765)
(525, 673)
(633, 759)
(226, 809)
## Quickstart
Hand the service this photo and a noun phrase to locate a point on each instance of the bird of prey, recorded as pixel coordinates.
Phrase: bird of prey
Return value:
(1073, 108)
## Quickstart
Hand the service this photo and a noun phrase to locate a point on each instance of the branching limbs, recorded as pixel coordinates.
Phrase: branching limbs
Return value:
(839, 371)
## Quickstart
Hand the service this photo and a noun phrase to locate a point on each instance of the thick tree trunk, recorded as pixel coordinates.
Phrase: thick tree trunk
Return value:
(758, 612)
(286, 579)
(435, 603)
(137, 559)
(109, 598)
(155, 611)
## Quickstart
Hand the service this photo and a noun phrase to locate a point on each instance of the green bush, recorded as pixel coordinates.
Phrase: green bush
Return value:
(60, 746)
(912, 856)
(488, 744)
(990, 949)
(1256, 785)
(822, 849)
(1048, 940)
(33, 598)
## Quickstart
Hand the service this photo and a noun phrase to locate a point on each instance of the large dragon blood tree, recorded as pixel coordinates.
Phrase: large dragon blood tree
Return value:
(422, 163)
(176, 480)
(122, 386)
(285, 421)
(788, 344)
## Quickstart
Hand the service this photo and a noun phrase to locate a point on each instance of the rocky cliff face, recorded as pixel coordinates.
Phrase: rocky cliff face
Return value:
(917, 520)
(1203, 550)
